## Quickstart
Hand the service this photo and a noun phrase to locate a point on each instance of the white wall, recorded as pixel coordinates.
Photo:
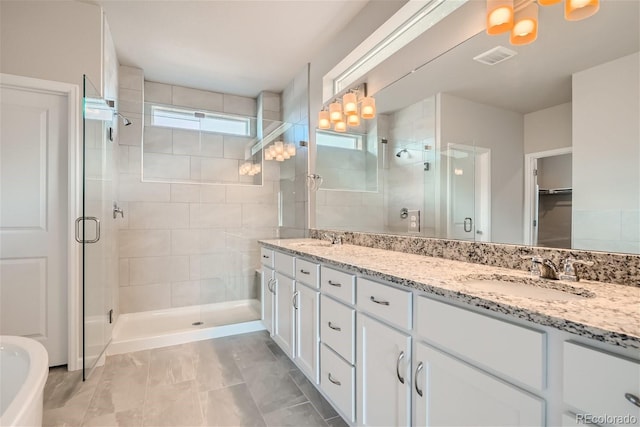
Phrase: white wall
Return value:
(606, 156)
(51, 40)
(548, 129)
(501, 131)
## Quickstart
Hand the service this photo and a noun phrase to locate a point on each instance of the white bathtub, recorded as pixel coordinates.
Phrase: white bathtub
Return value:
(24, 364)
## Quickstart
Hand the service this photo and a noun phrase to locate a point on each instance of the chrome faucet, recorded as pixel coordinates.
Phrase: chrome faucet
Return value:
(569, 270)
(333, 238)
(542, 267)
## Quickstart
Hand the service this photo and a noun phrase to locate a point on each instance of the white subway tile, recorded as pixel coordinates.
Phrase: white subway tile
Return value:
(237, 147)
(158, 215)
(132, 134)
(157, 92)
(149, 270)
(166, 166)
(130, 95)
(185, 193)
(252, 217)
(145, 298)
(123, 272)
(219, 170)
(186, 142)
(212, 291)
(257, 194)
(239, 105)
(195, 98)
(158, 139)
(212, 193)
(212, 145)
(185, 293)
(130, 77)
(141, 243)
(133, 189)
(215, 216)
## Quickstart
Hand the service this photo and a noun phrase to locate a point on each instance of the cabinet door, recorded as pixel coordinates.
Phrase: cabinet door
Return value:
(448, 391)
(268, 299)
(284, 327)
(384, 382)
(307, 311)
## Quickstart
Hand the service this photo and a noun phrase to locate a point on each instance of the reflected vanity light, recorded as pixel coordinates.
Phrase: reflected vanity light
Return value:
(280, 151)
(520, 17)
(344, 111)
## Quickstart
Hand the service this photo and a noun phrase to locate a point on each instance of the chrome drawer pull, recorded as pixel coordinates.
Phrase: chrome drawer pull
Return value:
(335, 284)
(335, 328)
(635, 400)
(415, 381)
(400, 357)
(336, 382)
(294, 299)
(379, 302)
(304, 272)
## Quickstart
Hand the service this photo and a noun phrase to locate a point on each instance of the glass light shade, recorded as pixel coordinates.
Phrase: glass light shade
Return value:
(291, 149)
(267, 155)
(272, 151)
(280, 158)
(525, 27)
(350, 104)
(335, 112)
(576, 10)
(499, 16)
(286, 155)
(548, 2)
(340, 126)
(279, 147)
(323, 120)
(353, 120)
(368, 108)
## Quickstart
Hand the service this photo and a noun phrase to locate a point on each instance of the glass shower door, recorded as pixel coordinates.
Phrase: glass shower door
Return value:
(93, 230)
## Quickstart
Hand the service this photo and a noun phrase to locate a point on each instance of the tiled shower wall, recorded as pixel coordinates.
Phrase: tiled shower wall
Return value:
(187, 244)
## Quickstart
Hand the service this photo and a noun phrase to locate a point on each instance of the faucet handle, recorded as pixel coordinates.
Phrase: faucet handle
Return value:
(536, 261)
(570, 272)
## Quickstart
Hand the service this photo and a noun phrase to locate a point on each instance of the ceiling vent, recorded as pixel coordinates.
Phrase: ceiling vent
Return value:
(495, 56)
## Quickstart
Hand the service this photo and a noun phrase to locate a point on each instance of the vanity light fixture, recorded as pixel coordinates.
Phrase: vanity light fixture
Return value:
(520, 17)
(249, 168)
(280, 151)
(348, 110)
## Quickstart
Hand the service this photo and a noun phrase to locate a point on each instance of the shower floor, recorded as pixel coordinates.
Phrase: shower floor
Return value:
(160, 328)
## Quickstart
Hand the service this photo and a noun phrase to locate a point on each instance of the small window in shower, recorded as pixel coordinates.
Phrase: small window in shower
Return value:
(330, 139)
(195, 120)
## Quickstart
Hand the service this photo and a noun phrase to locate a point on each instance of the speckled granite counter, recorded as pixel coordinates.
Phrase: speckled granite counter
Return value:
(612, 315)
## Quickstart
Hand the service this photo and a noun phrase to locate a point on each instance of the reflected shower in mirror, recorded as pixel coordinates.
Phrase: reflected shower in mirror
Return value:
(492, 171)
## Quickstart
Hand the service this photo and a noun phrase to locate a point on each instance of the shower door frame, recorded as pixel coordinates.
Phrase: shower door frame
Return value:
(72, 92)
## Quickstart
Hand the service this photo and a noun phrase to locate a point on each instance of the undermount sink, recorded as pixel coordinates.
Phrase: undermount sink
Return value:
(318, 243)
(539, 289)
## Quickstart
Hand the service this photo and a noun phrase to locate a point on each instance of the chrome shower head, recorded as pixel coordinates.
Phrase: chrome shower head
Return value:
(125, 120)
(403, 151)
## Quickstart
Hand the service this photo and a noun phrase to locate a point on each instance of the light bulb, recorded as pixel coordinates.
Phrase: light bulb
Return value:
(280, 158)
(368, 108)
(499, 16)
(525, 29)
(323, 120)
(353, 120)
(340, 126)
(335, 112)
(279, 147)
(350, 104)
(286, 155)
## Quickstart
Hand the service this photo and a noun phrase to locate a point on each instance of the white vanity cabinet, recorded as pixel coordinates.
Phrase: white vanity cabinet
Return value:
(307, 309)
(602, 385)
(284, 327)
(268, 298)
(450, 392)
(383, 374)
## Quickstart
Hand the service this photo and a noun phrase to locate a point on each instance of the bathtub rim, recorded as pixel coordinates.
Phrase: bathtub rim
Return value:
(33, 385)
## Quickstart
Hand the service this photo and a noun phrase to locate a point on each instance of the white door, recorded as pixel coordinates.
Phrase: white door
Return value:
(284, 327)
(448, 392)
(307, 330)
(384, 374)
(267, 298)
(33, 218)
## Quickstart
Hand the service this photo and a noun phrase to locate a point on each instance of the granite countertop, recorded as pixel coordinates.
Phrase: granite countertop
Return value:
(610, 314)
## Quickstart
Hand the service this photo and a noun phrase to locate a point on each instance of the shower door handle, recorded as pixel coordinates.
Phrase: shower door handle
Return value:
(87, 218)
(468, 224)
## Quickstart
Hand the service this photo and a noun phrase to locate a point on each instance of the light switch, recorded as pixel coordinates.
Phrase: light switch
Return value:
(414, 221)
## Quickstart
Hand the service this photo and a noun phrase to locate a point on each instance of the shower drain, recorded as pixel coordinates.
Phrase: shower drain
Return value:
(197, 323)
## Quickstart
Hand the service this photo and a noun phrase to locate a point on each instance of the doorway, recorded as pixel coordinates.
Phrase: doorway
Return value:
(548, 198)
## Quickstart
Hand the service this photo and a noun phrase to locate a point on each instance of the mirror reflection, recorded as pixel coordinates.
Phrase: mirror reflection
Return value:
(542, 147)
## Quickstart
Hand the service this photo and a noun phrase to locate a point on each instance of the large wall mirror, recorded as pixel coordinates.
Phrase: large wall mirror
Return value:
(540, 148)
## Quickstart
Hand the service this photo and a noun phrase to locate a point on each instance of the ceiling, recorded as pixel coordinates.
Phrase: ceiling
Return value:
(240, 47)
(539, 76)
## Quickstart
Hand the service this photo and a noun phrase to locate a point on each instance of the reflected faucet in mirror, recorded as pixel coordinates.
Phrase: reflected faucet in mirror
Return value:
(569, 269)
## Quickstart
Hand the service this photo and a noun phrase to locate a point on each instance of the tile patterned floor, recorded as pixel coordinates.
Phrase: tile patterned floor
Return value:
(243, 380)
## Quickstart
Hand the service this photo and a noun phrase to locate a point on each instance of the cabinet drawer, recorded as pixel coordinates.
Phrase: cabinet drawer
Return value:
(337, 379)
(284, 264)
(266, 256)
(514, 351)
(340, 285)
(390, 304)
(596, 382)
(337, 326)
(307, 273)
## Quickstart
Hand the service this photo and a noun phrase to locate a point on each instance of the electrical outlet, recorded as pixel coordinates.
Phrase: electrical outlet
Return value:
(414, 221)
